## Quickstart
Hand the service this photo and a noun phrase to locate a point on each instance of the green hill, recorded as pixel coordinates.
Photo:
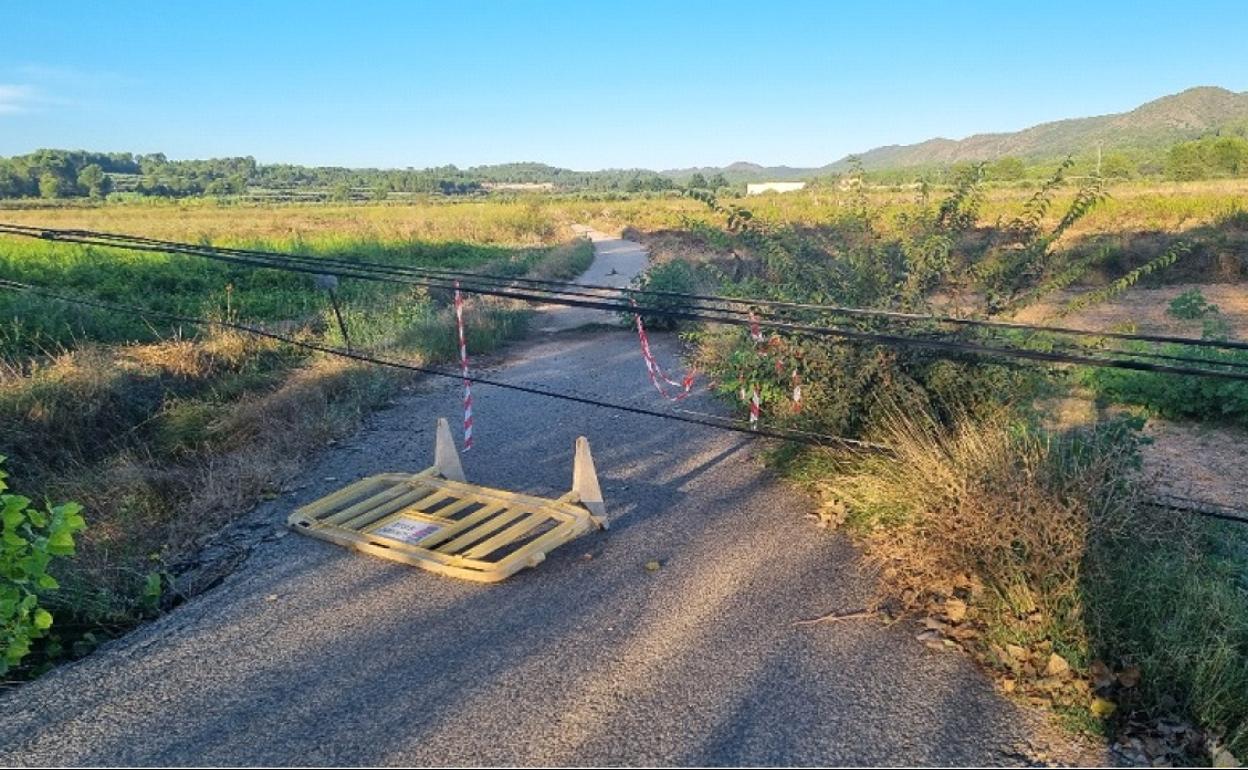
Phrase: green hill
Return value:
(1152, 126)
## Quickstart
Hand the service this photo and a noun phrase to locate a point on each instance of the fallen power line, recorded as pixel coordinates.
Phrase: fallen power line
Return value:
(726, 423)
(583, 289)
(1183, 505)
(314, 266)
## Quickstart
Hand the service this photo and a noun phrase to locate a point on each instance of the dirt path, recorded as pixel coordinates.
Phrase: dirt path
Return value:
(311, 654)
(616, 263)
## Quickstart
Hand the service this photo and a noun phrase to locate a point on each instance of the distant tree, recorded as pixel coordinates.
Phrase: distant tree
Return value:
(1184, 162)
(1007, 169)
(1117, 166)
(697, 181)
(341, 191)
(49, 185)
(1228, 155)
(717, 182)
(93, 179)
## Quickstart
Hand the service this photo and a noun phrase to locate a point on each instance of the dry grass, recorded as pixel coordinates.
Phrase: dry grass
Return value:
(513, 223)
(146, 511)
(1032, 551)
(1144, 310)
(1007, 507)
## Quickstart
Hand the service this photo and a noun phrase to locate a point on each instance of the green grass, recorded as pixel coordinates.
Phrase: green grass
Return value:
(195, 286)
(1176, 396)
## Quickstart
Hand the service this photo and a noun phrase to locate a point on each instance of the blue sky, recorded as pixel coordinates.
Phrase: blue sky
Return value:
(586, 84)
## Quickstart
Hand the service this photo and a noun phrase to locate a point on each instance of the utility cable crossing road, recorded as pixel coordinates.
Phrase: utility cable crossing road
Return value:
(312, 654)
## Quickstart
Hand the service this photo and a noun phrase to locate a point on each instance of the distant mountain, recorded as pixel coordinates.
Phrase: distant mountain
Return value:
(1155, 125)
(742, 171)
(1159, 123)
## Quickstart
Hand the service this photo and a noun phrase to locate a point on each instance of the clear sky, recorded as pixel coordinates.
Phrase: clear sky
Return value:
(586, 84)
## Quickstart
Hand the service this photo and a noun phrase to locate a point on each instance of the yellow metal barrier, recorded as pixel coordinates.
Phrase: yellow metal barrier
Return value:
(437, 521)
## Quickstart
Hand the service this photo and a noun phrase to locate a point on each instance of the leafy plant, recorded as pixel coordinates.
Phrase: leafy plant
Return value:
(1191, 305)
(676, 276)
(1025, 258)
(31, 539)
(1171, 255)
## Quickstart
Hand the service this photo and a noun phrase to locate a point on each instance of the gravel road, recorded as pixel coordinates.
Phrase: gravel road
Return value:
(312, 654)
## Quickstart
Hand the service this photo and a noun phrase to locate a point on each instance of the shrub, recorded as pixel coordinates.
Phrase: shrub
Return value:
(1191, 305)
(31, 539)
(1176, 396)
(675, 276)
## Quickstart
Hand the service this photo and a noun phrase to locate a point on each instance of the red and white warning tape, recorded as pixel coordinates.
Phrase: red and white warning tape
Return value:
(756, 334)
(657, 375)
(463, 364)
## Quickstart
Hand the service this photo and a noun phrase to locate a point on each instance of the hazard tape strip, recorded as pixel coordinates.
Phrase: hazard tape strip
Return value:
(463, 365)
(756, 334)
(657, 375)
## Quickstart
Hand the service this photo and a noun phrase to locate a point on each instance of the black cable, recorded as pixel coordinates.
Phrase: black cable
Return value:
(1201, 508)
(577, 289)
(792, 328)
(279, 258)
(803, 437)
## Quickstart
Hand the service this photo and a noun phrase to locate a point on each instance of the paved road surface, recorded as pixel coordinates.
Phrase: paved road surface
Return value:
(616, 263)
(312, 654)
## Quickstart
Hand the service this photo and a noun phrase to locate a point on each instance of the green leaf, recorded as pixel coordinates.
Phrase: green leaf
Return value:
(13, 516)
(61, 543)
(47, 582)
(43, 619)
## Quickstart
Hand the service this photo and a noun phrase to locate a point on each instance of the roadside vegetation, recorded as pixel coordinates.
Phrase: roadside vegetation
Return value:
(1027, 542)
(164, 433)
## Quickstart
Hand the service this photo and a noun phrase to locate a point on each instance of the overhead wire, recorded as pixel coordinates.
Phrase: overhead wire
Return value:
(725, 423)
(589, 289)
(316, 266)
(1170, 502)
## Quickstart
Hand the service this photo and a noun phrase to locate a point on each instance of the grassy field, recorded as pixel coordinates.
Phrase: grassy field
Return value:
(1132, 206)
(164, 432)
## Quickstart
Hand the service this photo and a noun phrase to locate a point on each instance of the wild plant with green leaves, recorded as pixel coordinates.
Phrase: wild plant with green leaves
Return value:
(1024, 265)
(30, 540)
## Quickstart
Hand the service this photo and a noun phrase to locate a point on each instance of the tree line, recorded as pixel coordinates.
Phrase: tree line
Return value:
(55, 174)
(80, 174)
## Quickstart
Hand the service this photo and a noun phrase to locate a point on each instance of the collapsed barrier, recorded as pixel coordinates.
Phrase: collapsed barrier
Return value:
(439, 522)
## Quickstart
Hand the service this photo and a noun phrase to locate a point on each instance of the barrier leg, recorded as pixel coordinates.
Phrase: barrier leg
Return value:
(445, 458)
(585, 482)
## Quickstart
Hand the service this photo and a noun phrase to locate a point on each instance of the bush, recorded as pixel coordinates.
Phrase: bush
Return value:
(1191, 305)
(1176, 396)
(676, 276)
(31, 539)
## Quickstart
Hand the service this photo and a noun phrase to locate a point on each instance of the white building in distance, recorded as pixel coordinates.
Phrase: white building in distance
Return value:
(779, 187)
